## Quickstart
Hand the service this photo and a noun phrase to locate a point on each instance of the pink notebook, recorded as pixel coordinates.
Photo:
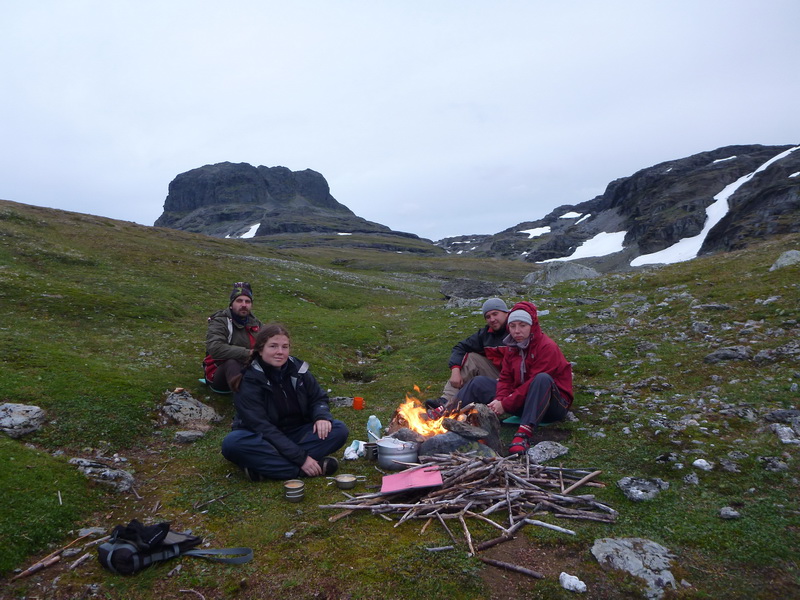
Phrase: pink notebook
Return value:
(409, 480)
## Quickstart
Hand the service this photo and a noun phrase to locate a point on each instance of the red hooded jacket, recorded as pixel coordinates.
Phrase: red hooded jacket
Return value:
(541, 356)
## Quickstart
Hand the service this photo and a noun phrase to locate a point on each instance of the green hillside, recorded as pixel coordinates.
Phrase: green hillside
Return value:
(100, 318)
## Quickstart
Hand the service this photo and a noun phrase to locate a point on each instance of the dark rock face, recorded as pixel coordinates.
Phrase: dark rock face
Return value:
(229, 200)
(241, 192)
(661, 205)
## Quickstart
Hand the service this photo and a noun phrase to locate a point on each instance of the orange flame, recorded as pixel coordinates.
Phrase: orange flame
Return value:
(416, 417)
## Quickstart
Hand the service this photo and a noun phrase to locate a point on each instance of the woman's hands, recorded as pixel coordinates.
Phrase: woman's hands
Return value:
(311, 467)
(322, 428)
(496, 407)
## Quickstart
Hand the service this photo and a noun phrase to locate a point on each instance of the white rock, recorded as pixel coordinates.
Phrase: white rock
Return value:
(571, 583)
(702, 463)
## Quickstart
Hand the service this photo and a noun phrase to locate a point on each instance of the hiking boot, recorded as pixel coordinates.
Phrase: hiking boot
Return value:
(519, 445)
(329, 465)
(252, 475)
(435, 413)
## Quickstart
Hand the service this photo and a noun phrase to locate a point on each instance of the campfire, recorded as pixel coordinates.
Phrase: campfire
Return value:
(412, 415)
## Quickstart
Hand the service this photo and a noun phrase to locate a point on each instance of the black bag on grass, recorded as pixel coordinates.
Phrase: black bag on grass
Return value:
(135, 546)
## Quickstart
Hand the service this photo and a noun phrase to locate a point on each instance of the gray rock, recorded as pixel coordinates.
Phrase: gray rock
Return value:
(546, 450)
(773, 464)
(181, 407)
(782, 415)
(691, 479)
(485, 419)
(729, 353)
(785, 433)
(552, 273)
(641, 558)
(788, 258)
(728, 512)
(638, 489)
(17, 420)
(445, 443)
(117, 479)
(187, 437)
(703, 465)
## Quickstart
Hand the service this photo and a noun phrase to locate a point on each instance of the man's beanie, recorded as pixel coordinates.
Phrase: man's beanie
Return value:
(520, 315)
(494, 304)
(241, 288)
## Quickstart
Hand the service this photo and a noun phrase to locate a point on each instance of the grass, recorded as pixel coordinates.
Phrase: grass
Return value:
(101, 317)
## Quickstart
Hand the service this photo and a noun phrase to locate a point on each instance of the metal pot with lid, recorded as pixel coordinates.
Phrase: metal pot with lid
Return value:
(391, 450)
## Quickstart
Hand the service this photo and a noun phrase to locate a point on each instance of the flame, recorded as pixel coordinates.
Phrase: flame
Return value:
(416, 417)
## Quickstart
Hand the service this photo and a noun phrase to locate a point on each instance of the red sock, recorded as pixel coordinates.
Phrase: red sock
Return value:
(524, 431)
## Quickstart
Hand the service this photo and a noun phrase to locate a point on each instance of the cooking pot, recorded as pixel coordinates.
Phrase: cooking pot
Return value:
(392, 449)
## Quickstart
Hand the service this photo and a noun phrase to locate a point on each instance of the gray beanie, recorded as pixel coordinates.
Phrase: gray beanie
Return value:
(520, 315)
(494, 304)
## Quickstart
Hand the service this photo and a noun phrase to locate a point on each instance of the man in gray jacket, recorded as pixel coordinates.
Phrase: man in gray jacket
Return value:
(230, 336)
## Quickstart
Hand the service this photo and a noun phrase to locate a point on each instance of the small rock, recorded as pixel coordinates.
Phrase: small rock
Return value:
(638, 489)
(187, 437)
(703, 464)
(692, 479)
(728, 513)
(571, 583)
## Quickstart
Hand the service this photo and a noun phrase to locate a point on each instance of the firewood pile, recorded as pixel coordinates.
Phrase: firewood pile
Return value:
(486, 488)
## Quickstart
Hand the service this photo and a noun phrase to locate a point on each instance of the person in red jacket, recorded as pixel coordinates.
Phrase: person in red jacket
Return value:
(535, 380)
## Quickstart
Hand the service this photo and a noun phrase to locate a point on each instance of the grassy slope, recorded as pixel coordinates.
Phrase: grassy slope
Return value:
(100, 317)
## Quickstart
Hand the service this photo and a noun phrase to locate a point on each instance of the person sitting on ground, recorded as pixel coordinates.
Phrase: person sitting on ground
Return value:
(229, 338)
(479, 354)
(535, 380)
(283, 426)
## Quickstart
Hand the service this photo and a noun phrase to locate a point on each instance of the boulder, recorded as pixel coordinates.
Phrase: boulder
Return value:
(641, 558)
(182, 408)
(552, 273)
(788, 258)
(17, 420)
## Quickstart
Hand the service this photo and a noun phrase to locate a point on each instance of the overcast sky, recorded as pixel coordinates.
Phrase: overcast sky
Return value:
(439, 118)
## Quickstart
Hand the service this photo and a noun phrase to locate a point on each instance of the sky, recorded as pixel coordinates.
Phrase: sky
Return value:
(438, 118)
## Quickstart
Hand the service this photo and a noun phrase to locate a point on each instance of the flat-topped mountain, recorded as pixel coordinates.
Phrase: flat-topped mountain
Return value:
(240, 200)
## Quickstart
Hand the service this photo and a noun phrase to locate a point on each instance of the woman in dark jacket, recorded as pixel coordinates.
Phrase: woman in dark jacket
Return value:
(283, 426)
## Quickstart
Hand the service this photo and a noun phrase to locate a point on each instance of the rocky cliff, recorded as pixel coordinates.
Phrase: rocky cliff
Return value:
(231, 200)
(660, 205)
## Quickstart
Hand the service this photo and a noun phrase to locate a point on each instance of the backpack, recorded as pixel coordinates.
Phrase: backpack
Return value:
(135, 546)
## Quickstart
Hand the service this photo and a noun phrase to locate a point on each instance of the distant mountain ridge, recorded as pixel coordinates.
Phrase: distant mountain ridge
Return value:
(653, 209)
(658, 206)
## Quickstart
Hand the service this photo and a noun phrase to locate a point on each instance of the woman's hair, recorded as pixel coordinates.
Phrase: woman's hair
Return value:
(262, 337)
(267, 331)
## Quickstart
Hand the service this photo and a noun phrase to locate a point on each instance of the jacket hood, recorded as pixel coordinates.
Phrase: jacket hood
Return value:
(530, 308)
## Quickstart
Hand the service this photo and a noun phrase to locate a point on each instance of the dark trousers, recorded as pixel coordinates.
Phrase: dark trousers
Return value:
(543, 403)
(224, 374)
(249, 450)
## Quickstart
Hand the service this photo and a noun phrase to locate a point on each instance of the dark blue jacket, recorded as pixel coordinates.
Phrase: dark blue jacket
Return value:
(256, 410)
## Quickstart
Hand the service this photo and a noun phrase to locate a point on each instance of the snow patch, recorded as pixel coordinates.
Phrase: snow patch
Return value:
(719, 160)
(570, 215)
(536, 231)
(600, 245)
(687, 248)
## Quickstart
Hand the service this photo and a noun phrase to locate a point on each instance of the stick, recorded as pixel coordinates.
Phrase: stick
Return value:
(467, 535)
(446, 528)
(80, 561)
(48, 560)
(439, 549)
(510, 567)
(549, 526)
(580, 482)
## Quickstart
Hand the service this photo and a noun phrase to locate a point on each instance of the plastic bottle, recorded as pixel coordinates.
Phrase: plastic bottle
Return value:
(373, 428)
